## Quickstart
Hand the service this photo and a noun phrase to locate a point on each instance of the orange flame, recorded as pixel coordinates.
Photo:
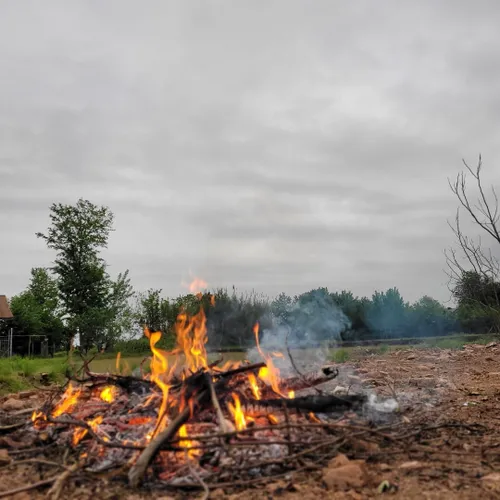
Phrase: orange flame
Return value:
(81, 432)
(69, 399)
(108, 394)
(314, 418)
(186, 443)
(117, 362)
(253, 386)
(270, 374)
(159, 367)
(237, 413)
(273, 419)
(191, 339)
(197, 285)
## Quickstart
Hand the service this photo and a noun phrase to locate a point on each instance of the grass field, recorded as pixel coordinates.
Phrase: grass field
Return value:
(17, 373)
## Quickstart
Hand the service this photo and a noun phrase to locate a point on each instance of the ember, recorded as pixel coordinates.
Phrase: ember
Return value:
(184, 411)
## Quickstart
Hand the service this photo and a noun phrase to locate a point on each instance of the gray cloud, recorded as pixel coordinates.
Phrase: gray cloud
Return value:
(278, 145)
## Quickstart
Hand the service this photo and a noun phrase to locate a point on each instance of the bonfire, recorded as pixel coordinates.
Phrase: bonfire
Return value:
(199, 424)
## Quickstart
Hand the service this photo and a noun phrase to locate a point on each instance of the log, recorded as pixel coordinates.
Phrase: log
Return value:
(316, 403)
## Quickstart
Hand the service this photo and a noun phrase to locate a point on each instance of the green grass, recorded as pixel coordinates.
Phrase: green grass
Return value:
(17, 374)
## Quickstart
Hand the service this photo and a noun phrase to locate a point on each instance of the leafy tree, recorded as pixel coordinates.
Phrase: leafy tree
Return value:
(36, 310)
(387, 313)
(88, 296)
(154, 311)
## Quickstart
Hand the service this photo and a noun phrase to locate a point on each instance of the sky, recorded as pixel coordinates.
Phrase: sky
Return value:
(270, 145)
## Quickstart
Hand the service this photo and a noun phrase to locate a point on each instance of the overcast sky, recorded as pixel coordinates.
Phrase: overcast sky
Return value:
(273, 145)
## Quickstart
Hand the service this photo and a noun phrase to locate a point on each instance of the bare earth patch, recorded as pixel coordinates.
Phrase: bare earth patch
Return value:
(446, 443)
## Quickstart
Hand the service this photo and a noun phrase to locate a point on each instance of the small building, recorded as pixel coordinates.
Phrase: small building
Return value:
(5, 315)
(5, 312)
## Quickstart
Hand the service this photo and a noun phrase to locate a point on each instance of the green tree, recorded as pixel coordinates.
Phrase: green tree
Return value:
(154, 311)
(78, 233)
(387, 313)
(37, 310)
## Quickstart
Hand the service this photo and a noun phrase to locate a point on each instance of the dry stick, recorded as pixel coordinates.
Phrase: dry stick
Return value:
(200, 480)
(241, 369)
(288, 431)
(5, 428)
(28, 487)
(33, 461)
(137, 472)
(56, 488)
(232, 484)
(223, 425)
(249, 430)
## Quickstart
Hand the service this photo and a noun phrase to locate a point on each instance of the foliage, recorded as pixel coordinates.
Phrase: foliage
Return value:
(37, 311)
(93, 303)
(18, 373)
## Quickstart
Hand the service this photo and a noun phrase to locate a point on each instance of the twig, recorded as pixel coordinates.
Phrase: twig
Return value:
(5, 428)
(33, 461)
(287, 429)
(28, 487)
(241, 369)
(56, 488)
(200, 480)
(223, 424)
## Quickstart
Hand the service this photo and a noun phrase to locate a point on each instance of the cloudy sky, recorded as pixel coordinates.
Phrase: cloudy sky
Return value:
(273, 145)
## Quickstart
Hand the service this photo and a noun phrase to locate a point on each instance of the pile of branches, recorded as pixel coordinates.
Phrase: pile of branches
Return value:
(123, 434)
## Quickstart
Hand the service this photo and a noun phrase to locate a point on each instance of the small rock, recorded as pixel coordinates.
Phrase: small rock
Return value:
(351, 475)
(491, 344)
(411, 356)
(489, 358)
(4, 457)
(13, 404)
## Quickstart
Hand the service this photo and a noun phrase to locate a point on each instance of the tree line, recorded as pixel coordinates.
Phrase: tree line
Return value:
(77, 297)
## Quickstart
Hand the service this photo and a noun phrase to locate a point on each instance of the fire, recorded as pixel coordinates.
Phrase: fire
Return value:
(81, 432)
(273, 419)
(270, 374)
(69, 399)
(314, 418)
(291, 394)
(117, 363)
(191, 339)
(108, 394)
(253, 386)
(237, 413)
(197, 285)
(186, 443)
(159, 367)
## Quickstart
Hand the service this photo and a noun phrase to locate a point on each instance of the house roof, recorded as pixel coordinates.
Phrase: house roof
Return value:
(5, 312)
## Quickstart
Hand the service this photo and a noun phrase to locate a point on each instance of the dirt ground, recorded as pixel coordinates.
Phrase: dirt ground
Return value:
(447, 445)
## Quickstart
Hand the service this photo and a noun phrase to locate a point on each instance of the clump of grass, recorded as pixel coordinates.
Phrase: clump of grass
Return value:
(340, 355)
(383, 349)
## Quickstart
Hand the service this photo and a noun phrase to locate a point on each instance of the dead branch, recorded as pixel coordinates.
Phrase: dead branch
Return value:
(56, 488)
(28, 487)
